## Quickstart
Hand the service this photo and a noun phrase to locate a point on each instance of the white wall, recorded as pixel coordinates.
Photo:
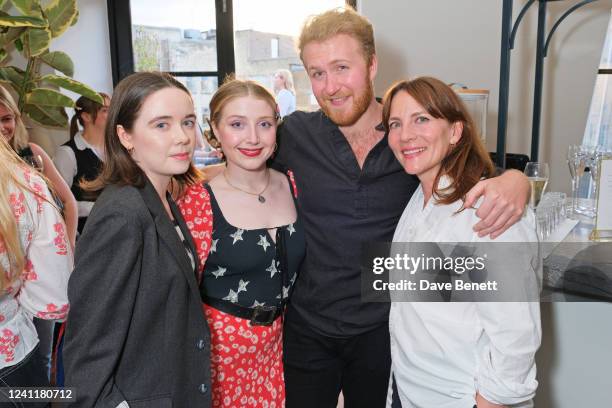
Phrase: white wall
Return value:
(87, 43)
(459, 41)
(89, 46)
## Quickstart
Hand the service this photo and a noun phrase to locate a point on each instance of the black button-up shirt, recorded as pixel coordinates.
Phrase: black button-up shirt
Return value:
(342, 207)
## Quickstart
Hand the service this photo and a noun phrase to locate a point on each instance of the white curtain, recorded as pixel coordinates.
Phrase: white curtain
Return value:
(598, 130)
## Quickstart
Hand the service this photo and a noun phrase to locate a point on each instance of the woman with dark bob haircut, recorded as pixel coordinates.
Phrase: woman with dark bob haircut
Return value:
(136, 335)
(466, 353)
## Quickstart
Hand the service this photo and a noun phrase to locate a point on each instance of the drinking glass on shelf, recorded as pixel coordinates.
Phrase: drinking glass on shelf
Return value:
(576, 161)
(537, 173)
(598, 154)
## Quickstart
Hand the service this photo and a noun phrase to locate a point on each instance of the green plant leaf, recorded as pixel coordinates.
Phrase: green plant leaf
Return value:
(28, 7)
(60, 14)
(75, 19)
(22, 21)
(47, 116)
(74, 86)
(3, 54)
(48, 97)
(60, 61)
(10, 35)
(37, 41)
(12, 75)
(19, 44)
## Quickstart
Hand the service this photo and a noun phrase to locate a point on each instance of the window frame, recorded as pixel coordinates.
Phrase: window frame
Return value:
(121, 48)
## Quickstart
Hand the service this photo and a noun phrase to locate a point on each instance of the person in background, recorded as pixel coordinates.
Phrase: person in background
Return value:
(81, 157)
(456, 354)
(251, 259)
(14, 131)
(285, 92)
(352, 192)
(35, 263)
(136, 335)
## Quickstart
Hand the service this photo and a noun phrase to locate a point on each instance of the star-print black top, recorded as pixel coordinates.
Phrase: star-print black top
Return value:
(243, 266)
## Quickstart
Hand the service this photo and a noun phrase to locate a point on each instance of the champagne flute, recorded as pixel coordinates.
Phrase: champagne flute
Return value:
(576, 164)
(537, 173)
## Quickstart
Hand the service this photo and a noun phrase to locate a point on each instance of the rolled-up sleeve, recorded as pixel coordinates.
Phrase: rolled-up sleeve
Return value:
(506, 366)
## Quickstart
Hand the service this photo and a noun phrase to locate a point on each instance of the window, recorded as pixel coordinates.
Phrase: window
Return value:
(274, 48)
(256, 29)
(599, 121)
(200, 42)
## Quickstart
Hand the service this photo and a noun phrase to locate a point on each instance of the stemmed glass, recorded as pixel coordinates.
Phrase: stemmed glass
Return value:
(538, 174)
(576, 161)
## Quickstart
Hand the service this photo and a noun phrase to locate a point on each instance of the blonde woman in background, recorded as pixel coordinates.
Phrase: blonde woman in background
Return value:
(14, 132)
(35, 263)
(285, 92)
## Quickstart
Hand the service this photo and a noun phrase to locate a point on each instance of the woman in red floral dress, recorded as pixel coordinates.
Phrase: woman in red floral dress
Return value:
(251, 242)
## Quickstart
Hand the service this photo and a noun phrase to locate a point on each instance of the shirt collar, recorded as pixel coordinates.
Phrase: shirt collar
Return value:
(82, 144)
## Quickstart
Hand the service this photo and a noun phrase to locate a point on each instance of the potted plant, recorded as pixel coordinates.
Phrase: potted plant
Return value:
(31, 33)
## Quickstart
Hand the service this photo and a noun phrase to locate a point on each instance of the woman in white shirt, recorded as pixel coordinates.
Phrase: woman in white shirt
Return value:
(35, 263)
(454, 354)
(80, 159)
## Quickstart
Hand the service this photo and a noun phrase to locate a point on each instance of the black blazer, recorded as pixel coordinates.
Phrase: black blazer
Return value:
(136, 331)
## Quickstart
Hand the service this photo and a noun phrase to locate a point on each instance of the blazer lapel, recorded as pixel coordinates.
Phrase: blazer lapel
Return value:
(168, 234)
(185, 230)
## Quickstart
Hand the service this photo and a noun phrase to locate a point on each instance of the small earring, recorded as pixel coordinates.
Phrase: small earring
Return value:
(131, 151)
(275, 147)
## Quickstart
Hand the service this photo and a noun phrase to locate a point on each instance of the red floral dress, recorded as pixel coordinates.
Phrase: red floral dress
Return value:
(246, 360)
(40, 290)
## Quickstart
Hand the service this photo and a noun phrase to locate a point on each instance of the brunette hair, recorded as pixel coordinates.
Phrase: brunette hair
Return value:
(128, 98)
(85, 105)
(468, 161)
(324, 26)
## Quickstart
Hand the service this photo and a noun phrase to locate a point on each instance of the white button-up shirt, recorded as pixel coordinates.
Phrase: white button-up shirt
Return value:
(444, 353)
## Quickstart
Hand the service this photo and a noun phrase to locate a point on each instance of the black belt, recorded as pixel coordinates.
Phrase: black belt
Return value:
(258, 315)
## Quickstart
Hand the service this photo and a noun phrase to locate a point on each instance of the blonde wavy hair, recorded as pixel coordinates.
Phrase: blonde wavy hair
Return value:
(20, 138)
(11, 166)
(287, 78)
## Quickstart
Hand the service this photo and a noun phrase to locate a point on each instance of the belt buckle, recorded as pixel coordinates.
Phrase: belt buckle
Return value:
(263, 315)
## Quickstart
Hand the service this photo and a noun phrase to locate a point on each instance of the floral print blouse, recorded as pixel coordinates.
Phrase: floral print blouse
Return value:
(41, 290)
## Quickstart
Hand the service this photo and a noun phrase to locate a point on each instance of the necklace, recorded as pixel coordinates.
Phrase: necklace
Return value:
(259, 195)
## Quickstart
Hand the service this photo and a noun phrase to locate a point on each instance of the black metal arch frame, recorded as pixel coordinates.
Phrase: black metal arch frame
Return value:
(507, 44)
(122, 56)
